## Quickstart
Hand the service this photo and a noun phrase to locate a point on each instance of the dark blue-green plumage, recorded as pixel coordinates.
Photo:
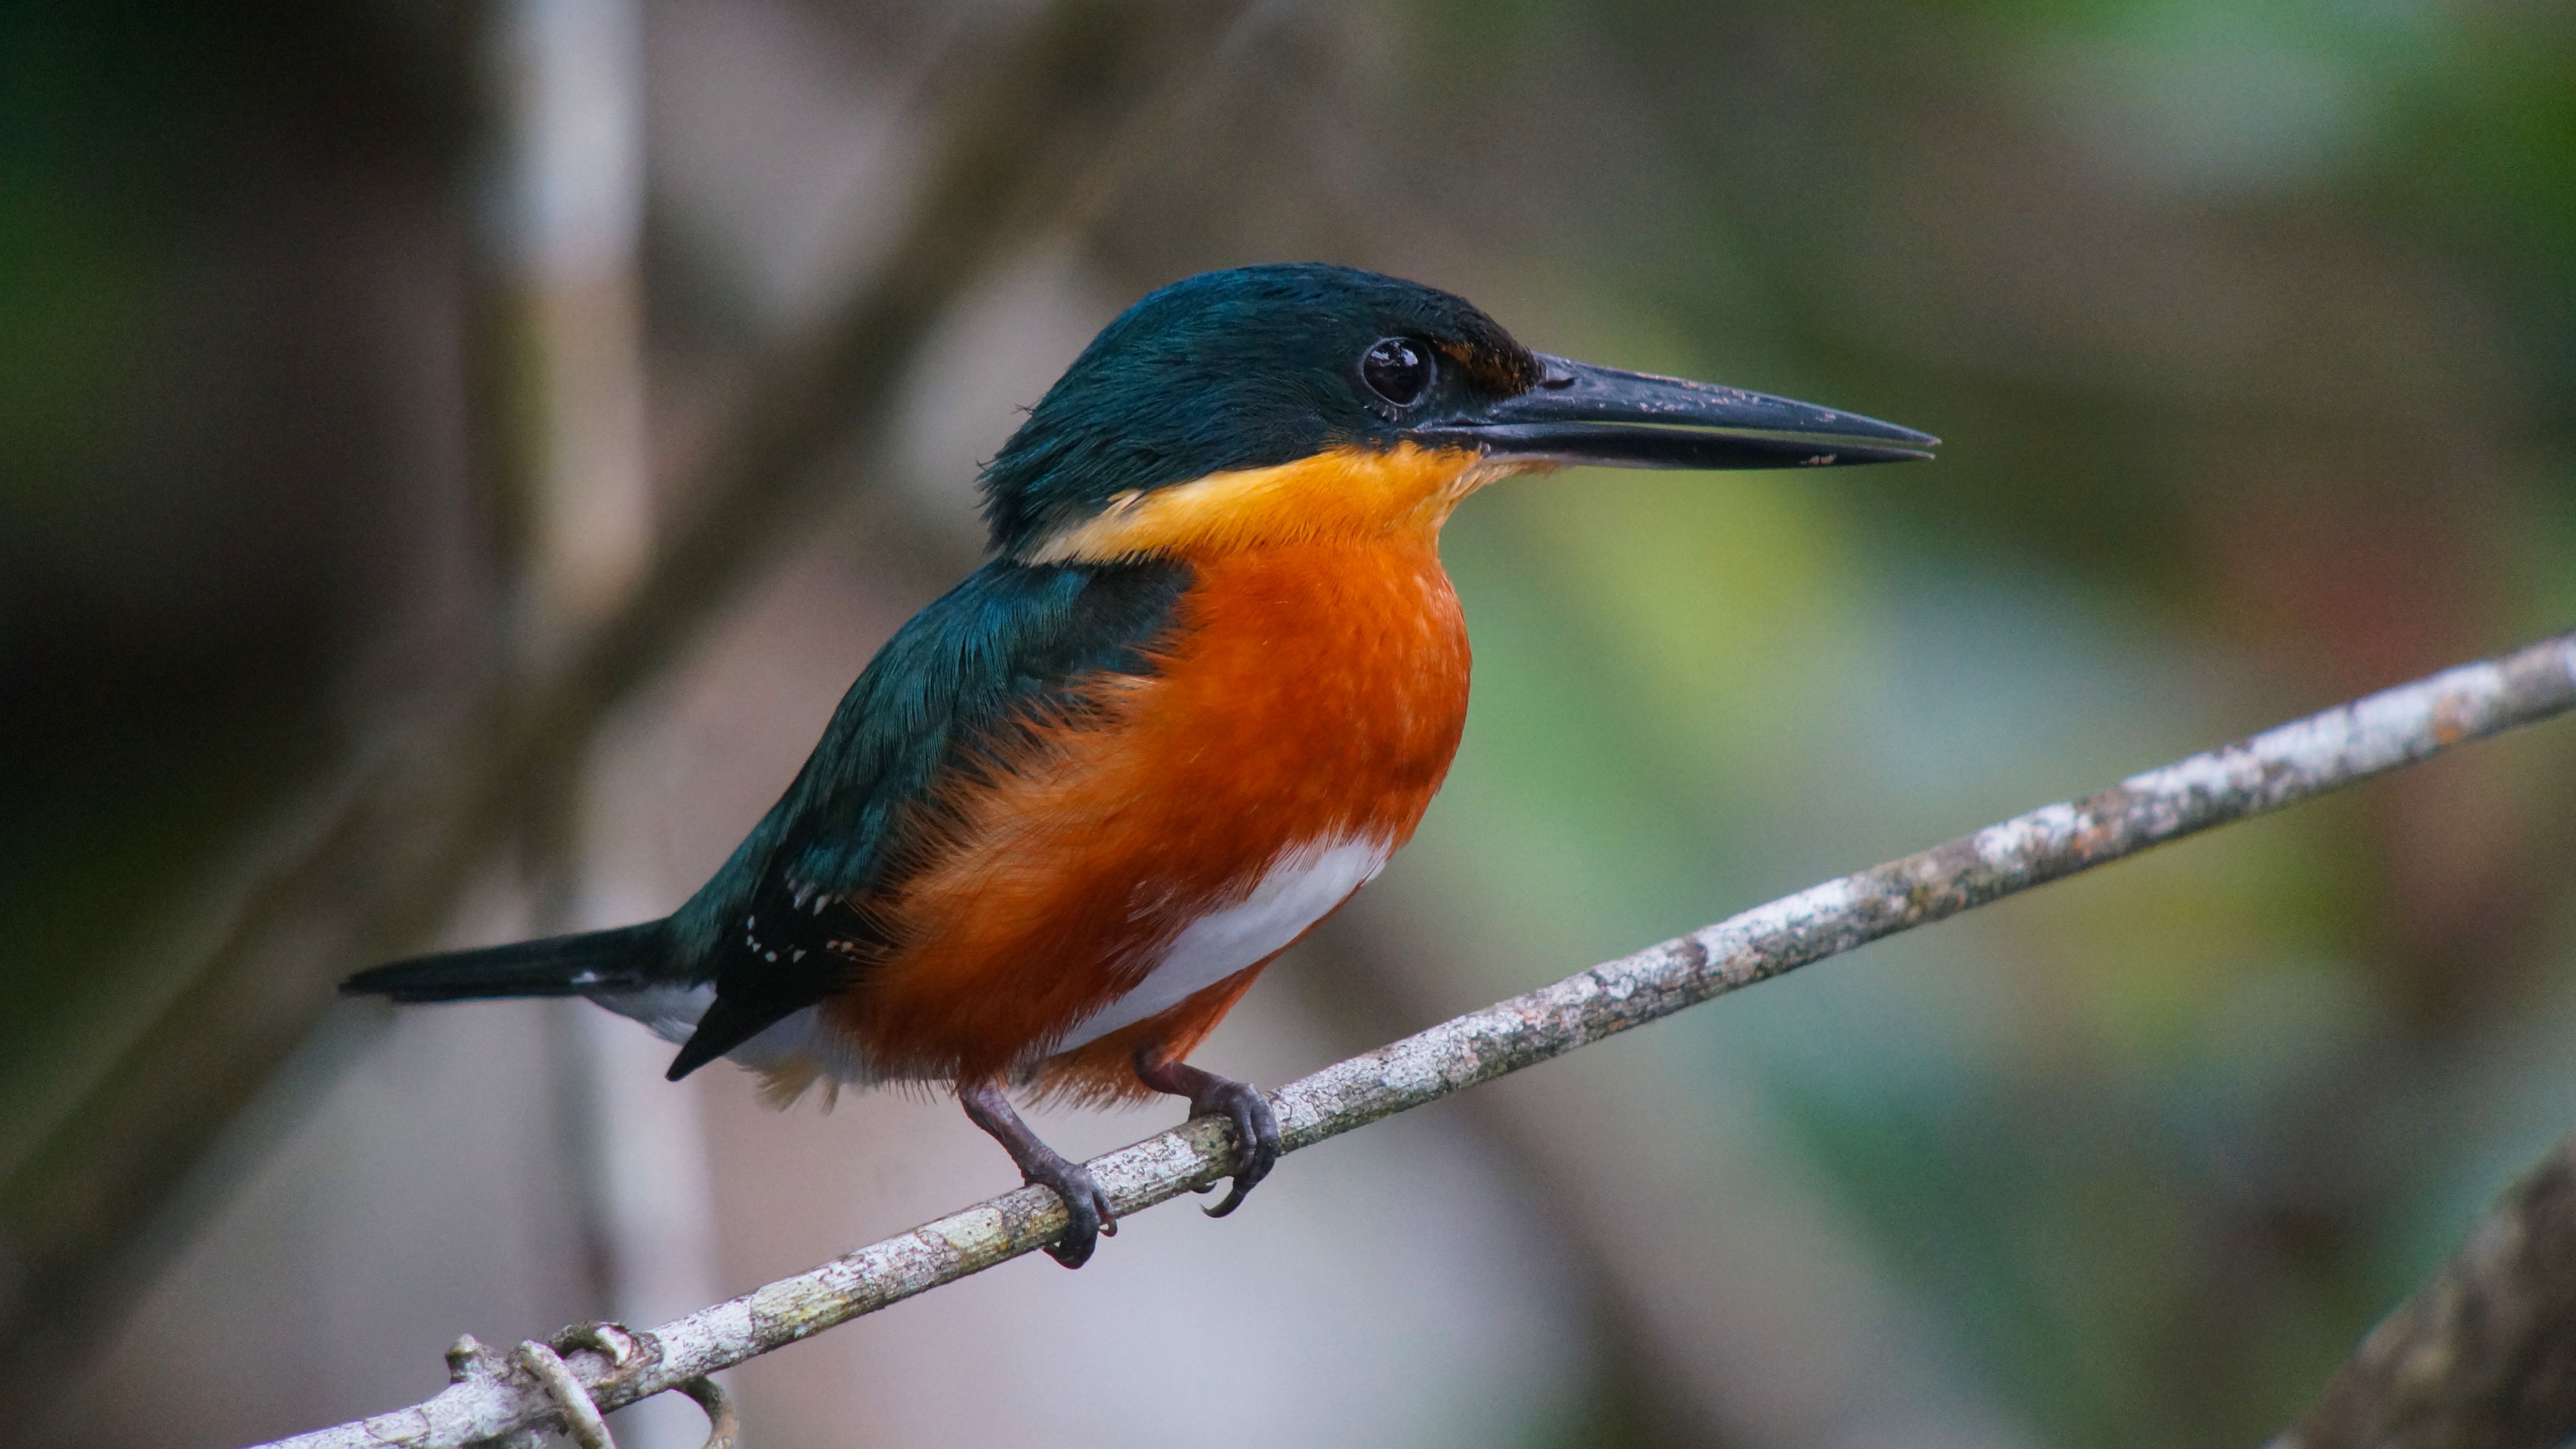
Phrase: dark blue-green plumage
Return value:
(1237, 369)
(776, 929)
(1226, 370)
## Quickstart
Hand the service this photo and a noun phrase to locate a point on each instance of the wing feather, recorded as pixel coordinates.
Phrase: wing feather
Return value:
(789, 920)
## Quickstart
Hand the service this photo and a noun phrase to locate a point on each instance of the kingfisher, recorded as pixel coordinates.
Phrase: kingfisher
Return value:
(1206, 683)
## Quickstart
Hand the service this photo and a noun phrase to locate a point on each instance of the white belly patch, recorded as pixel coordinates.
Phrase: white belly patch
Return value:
(798, 1039)
(671, 1012)
(1301, 887)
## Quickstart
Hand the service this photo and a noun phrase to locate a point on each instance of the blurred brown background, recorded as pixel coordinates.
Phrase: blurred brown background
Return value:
(453, 456)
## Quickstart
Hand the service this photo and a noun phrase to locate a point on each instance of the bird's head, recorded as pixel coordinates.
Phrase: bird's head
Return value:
(1276, 403)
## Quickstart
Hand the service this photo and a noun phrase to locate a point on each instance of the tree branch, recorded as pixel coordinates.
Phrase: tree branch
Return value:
(2484, 1356)
(491, 1396)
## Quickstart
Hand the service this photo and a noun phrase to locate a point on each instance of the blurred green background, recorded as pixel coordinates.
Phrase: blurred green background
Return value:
(2251, 330)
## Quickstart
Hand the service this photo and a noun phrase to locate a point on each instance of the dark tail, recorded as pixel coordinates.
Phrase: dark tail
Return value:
(623, 959)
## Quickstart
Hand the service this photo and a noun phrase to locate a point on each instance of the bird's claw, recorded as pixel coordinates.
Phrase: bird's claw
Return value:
(1256, 1126)
(1256, 1134)
(1088, 1218)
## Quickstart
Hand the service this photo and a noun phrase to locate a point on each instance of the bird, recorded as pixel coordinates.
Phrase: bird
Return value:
(1204, 685)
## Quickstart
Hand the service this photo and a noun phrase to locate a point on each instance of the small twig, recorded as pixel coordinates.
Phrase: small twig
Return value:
(2484, 1356)
(2280, 767)
(581, 1420)
(723, 1429)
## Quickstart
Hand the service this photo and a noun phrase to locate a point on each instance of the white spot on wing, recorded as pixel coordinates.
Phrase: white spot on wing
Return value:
(1301, 887)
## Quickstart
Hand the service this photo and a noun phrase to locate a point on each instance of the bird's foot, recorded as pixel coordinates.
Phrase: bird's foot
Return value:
(1086, 1208)
(1256, 1126)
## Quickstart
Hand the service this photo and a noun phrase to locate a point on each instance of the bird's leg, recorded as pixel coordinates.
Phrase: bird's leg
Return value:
(1086, 1206)
(1256, 1127)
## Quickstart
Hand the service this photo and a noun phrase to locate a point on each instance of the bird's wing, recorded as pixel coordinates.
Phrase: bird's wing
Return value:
(786, 922)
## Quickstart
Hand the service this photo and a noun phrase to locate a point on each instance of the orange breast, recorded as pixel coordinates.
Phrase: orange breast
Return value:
(1313, 691)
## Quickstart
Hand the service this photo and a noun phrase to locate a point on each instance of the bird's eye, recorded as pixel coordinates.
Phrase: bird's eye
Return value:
(1396, 370)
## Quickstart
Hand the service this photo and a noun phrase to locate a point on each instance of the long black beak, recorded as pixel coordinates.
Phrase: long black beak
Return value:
(1601, 416)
